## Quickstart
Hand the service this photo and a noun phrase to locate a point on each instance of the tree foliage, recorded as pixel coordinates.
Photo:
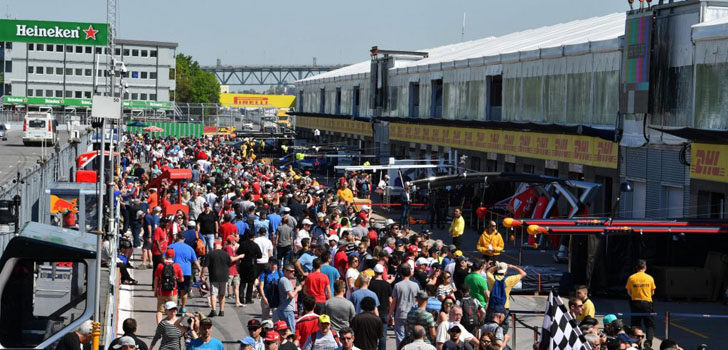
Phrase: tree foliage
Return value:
(193, 84)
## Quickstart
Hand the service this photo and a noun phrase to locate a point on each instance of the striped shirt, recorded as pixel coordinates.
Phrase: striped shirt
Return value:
(169, 335)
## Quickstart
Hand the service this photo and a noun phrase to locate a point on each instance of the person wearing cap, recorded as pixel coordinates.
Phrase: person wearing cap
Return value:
(286, 336)
(124, 343)
(168, 333)
(322, 339)
(302, 234)
(490, 243)
(455, 342)
(494, 324)
(164, 296)
(205, 340)
(255, 329)
(288, 295)
(457, 227)
(497, 280)
(73, 340)
(129, 326)
(641, 287)
(476, 282)
(420, 316)
(272, 341)
(383, 290)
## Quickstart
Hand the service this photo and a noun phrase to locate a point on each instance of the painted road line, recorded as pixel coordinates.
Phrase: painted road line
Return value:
(696, 333)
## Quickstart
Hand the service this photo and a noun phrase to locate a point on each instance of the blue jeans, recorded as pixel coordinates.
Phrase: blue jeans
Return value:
(404, 218)
(288, 317)
(383, 339)
(209, 242)
(399, 329)
(135, 231)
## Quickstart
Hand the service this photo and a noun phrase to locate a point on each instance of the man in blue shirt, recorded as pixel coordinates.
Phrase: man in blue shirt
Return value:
(362, 293)
(205, 340)
(268, 280)
(241, 224)
(331, 272)
(305, 261)
(191, 234)
(275, 221)
(184, 256)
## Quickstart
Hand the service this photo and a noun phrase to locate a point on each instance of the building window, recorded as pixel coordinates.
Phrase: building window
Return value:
(126, 95)
(322, 101)
(152, 75)
(551, 172)
(99, 73)
(30, 69)
(528, 168)
(39, 70)
(69, 71)
(98, 50)
(117, 52)
(145, 53)
(495, 96)
(49, 48)
(59, 48)
(414, 100)
(134, 96)
(126, 52)
(135, 75)
(59, 93)
(30, 92)
(171, 95)
(49, 70)
(144, 75)
(153, 53)
(79, 49)
(509, 167)
(355, 101)
(639, 192)
(39, 92)
(143, 97)
(135, 52)
(171, 74)
(491, 165)
(8, 66)
(31, 47)
(436, 100)
(77, 94)
(9, 46)
(69, 93)
(88, 49)
(59, 71)
(49, 93)
(40, 47)
(87, 94)
(79, 72)
(153, 97)
(69, 48)
(87, 72)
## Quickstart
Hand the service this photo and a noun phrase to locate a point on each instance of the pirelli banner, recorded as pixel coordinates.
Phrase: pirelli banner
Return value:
(709, 162)
(345, 126)
(585, 150)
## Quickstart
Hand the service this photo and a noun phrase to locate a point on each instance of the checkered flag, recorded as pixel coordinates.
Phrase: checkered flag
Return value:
(559, 330)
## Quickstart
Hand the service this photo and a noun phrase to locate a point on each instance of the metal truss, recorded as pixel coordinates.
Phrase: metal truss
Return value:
(265, 75)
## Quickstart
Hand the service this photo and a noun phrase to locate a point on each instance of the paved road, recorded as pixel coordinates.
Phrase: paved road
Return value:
(15, 156)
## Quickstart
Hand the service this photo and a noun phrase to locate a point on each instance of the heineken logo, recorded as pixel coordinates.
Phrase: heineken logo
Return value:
(23, 30)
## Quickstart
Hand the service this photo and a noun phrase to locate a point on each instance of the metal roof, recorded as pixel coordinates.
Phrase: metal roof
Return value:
(146, 43)
(604, 29)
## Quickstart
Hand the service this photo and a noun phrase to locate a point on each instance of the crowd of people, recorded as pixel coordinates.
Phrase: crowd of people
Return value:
(326, 272)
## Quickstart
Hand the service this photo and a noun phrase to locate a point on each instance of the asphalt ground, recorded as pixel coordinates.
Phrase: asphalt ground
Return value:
(14, 156)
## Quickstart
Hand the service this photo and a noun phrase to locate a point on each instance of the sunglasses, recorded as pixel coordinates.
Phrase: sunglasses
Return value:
(447, 304)
(347, 338)
(290, 270)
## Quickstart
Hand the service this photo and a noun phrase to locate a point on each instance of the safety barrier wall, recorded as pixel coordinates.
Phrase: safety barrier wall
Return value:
(31, 182)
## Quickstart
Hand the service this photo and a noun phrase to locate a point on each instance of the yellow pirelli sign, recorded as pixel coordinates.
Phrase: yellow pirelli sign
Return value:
(345, 126)
(257, 100)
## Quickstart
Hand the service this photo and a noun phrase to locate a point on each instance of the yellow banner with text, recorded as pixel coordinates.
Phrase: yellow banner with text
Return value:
(338, 125)
(577, 149)
(709, 162)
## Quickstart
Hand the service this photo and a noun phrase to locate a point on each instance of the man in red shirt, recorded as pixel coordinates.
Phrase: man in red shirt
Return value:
(341, 260)
(160, 241)
(227, 228)
(308, 323)
(164, 295)
(317, 285)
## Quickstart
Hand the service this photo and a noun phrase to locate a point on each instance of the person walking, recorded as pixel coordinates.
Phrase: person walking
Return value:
(208, 225)
(288, 294)
(641, 287)
(185, 257)
(167, 333)
(267, 282)
(218, 264)
(317, 285)
(383, 290)
(406, 199)
(457, 227)
(324, 338)
(490, 243)
(339, 309)
(129, 326)
(404, 294)
(421, 317)
(167, 276)
(367, 326)
(477, 284)
(246, 268)
(205, 340)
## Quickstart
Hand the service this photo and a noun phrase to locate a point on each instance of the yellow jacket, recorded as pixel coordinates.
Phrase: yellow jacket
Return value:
(495, 240)
(457, 227)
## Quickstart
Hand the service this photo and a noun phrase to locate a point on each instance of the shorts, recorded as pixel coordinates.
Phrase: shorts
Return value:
(218, 288)
(146, 244)
(185, 285)
(233, 280)
(163, 299)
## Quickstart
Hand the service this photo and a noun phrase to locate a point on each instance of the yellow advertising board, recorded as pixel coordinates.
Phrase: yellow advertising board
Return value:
(585, 150)
(709, 162)
(345, 126)
(256, 100)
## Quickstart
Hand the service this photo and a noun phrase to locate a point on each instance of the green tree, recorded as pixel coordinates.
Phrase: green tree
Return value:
(193, 84)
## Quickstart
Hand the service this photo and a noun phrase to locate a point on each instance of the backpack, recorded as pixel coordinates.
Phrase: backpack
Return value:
(167, 281)
(199, 245)
(272, 292)
(498, 294)
(471, 319)
(312, 338)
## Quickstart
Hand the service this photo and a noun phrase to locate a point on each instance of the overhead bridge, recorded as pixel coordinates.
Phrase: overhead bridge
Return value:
(266, 75)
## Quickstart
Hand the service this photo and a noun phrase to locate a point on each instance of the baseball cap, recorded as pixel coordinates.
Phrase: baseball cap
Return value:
(191, 223)
(452, 247)
(125, 341)
(169, 253)
(501, 268)
(170, 305)
(280, 325)
(458, 253)
(389, 222)
(247, 341)
(253, 323)
(365, 207)
(324, 319)
(206, 322)
(624, 338)
(267, 324)
(422, 295)
(306, 222)
(334, 238)
(272, 336)
(412, 248)
(378, 268)
(455, 328)
(609, 319)
(422, 261)
(399, 243)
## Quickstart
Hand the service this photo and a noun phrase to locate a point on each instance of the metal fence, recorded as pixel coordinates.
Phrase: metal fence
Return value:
(31, 183)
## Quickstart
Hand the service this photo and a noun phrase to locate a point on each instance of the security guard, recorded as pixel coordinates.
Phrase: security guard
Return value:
(641, 287)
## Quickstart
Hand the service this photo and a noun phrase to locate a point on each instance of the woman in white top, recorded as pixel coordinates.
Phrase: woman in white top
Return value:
(352, 274)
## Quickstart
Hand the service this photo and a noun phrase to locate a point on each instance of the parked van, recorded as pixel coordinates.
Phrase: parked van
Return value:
(40, 127)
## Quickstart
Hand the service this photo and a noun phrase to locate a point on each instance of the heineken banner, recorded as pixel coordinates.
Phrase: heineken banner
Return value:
(80, 102)
(70, 33)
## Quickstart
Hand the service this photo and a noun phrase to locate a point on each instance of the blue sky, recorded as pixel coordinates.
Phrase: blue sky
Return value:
(293, 32)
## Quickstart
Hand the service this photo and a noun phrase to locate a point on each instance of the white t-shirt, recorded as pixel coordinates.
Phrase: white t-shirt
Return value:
(299, 236)
(265, 245)
(443, 335)
(351, 273)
